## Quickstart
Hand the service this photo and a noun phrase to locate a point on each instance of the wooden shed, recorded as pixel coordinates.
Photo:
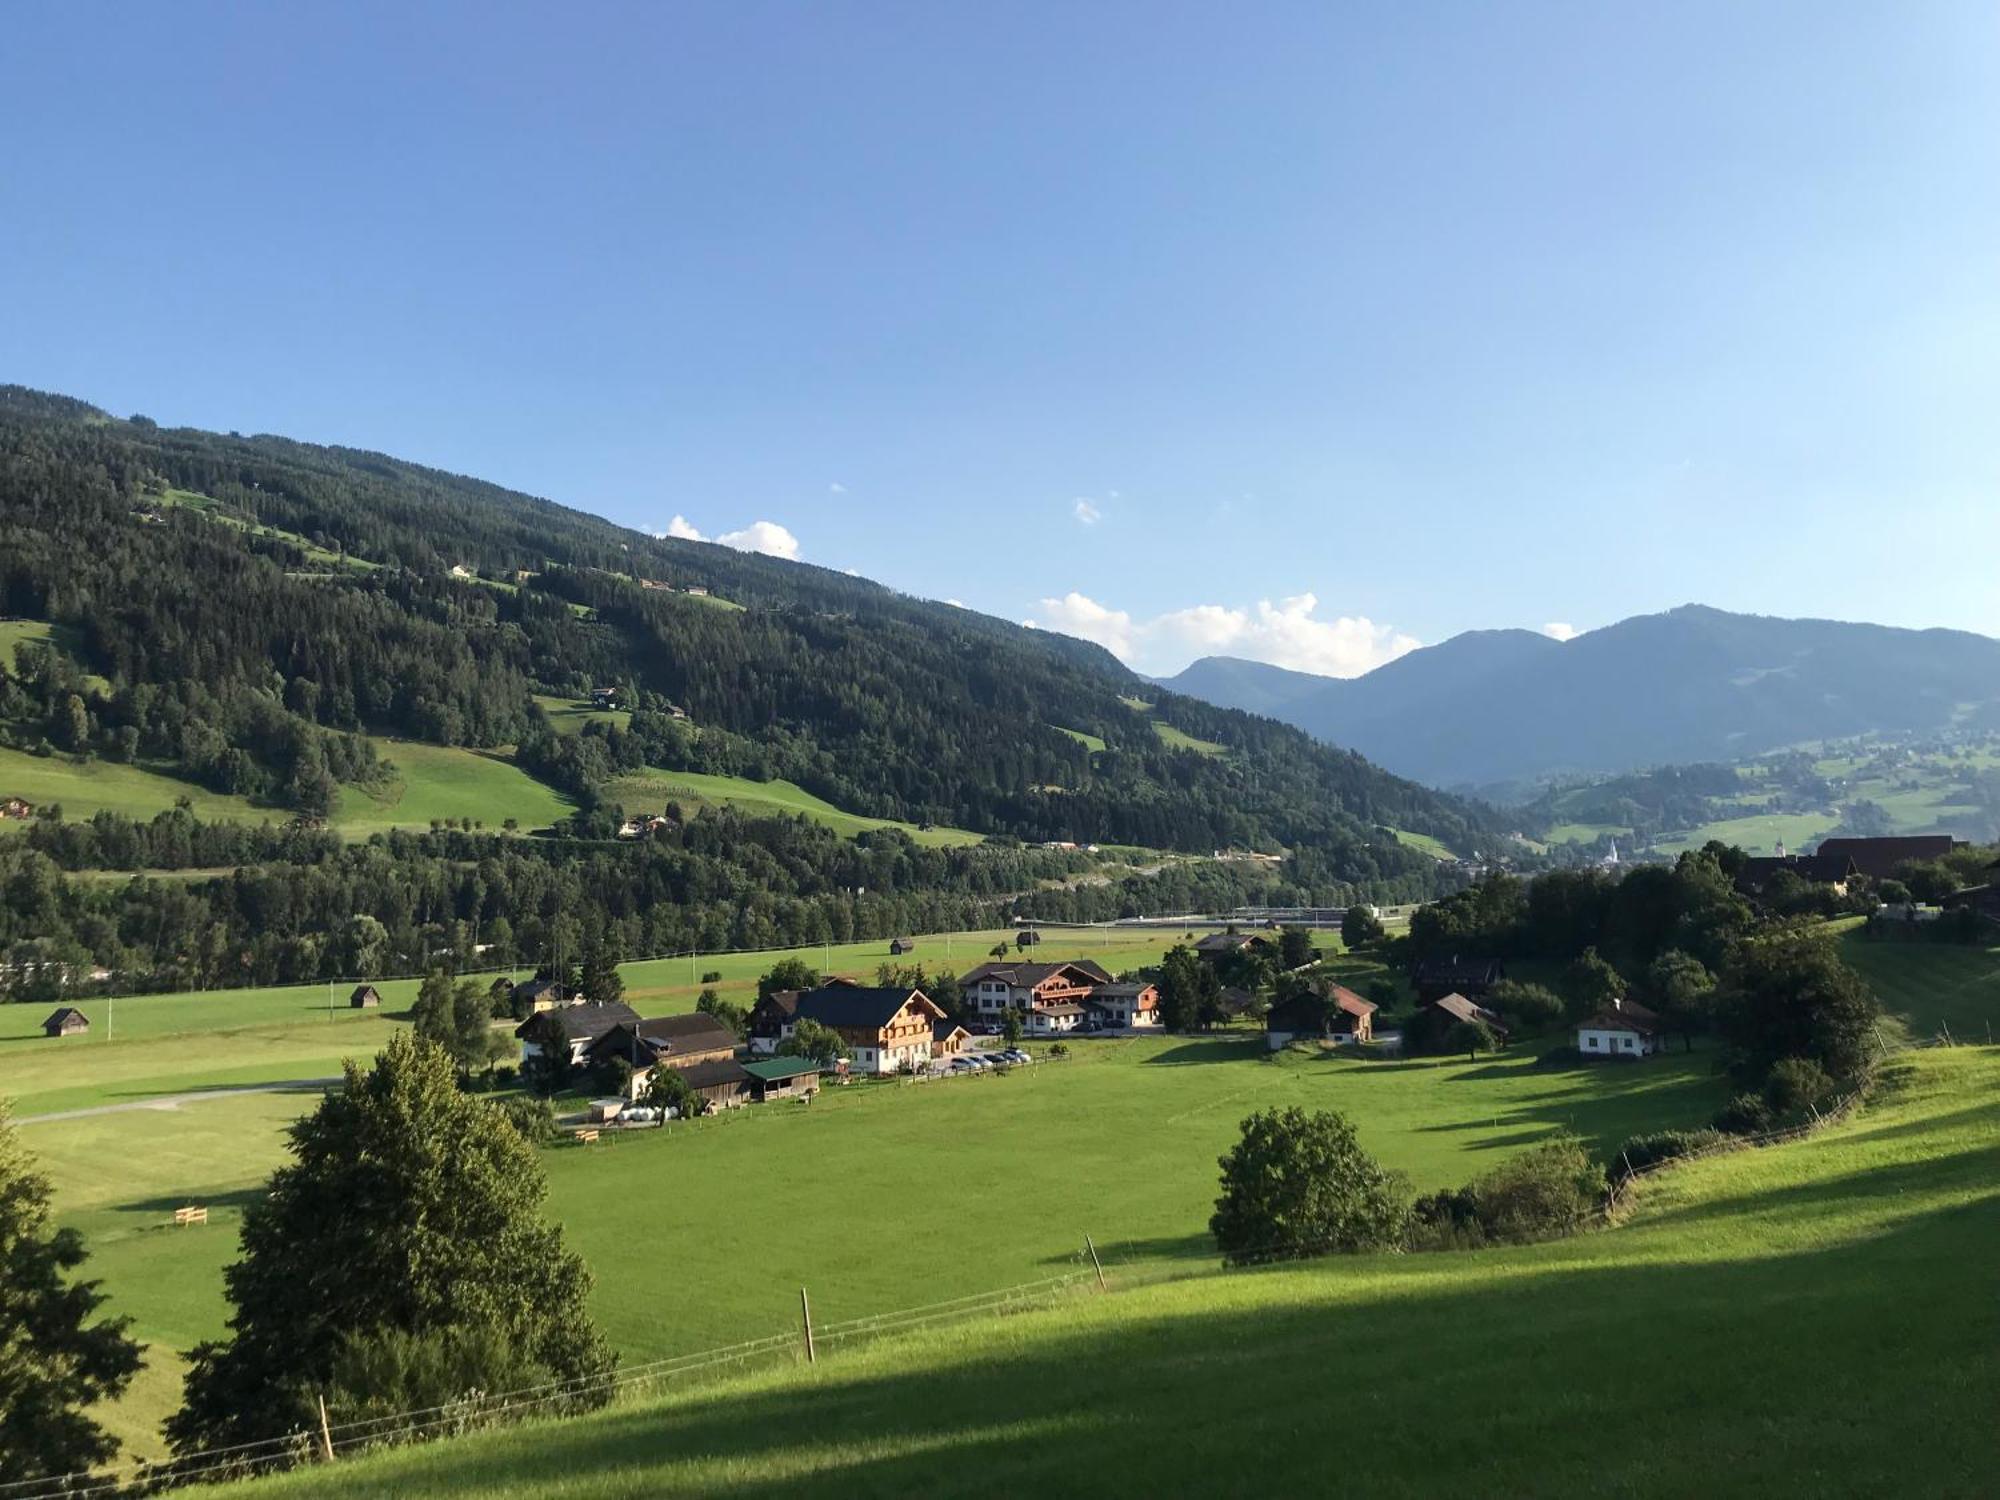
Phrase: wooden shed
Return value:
(67, 1021)
(365, 997)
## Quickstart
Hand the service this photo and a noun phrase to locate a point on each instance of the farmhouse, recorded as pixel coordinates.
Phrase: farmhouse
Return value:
(677, 1041)
(1216, 945)
(68, 1021)
(1879, 859)
(582, 1025)
(16, 807)
(542, 994)
(1129, 1005)
(1342, 1014)
(782, 1078)
(997, 987)
(1621, 1029)
(884, 1029)
(771, 1021)
(1818, 869)
(1058, 1019)
(1451, 1008)
(948, 1038)
(1468, 978)
(365, 997)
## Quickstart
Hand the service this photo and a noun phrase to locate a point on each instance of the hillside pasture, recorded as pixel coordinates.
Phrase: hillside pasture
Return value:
(1748, 1295)
(1180, 739)
(1094, 743)
(446, 783)
(569, 716)
(85, 788)
(651, 790)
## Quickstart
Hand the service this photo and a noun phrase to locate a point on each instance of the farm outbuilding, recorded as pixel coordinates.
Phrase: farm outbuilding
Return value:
(782, 1078)
(899, 946)
(68, 1021)
(365, 997)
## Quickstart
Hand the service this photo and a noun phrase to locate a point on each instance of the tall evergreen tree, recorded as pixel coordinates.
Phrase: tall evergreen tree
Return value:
(55, 1362)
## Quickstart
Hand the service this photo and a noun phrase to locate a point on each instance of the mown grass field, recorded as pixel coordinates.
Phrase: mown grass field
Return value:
(568, 716)
(996, 1178)
(1180, 739)
(1813, 1319)
(443, 782)
(86, 788)
(652, 790)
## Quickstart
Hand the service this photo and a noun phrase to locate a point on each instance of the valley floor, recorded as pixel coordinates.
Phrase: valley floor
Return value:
(1811, 1319)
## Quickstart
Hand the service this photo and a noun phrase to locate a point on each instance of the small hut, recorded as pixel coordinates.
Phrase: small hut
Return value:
(365, 997)
(67, 1021)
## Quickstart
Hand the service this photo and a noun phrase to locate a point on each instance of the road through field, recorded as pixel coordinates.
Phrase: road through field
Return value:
(175, 1101)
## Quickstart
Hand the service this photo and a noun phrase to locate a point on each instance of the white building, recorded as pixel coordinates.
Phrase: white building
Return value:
(1621, 1029)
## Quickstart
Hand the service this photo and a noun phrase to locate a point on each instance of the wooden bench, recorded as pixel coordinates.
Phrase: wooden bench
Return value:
(585, 1137)
(186, 1216)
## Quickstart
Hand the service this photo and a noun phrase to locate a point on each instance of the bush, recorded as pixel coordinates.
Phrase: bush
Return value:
(1746, 1114)
(1299, 1185)
(459, 1377)
(1547, 1191)
(1446, 1220)
(1060, 1049)
(1795, 1085)
(1643, 1151)
(1528, 1009)
(713, 976)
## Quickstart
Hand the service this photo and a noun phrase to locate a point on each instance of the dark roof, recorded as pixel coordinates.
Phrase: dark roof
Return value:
(777, 1069)
(1820, 869)
(1028, 975)
(1457, 972)
(1226, 942)
(942, 1029)
(708, 1075)
(1062, 1008)
(693, 1032)
(1130, 989)
(1878, 858)
(585, 1023)
(852, 1005)
(364, 989)
(664, 1036)
(62, 1015)
(1466, 1010)
(534, 989)
(1297, 1014)
(1625, 1016)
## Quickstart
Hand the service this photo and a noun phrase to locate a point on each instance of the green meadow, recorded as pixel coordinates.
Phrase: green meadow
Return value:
(652, 790)
(1811, 1319)
(569, 716)
(435, 782)
(89, 787)
(996, 1177)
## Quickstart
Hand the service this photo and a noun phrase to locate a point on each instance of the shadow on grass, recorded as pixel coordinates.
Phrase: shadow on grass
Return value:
(1223, 1389)
(1207, 1050)
(163, 1207)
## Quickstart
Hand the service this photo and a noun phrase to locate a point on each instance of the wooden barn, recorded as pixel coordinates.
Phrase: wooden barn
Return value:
(67, 1021)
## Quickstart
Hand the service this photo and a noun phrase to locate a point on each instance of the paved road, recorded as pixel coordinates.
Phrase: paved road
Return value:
(175, 1101)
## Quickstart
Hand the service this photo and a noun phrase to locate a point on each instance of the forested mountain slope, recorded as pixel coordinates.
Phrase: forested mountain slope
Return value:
(247, 610)
(1692, 684)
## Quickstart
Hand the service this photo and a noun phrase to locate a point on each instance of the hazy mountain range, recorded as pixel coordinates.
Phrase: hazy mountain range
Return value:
(1496, 706)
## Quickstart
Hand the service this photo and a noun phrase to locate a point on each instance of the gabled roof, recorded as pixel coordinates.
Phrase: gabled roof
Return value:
(1466, 1010)
(363, 989)
(1130, 989)
(1878, 858)
(708, 1075)
(1228, 942)
(664, 1036)
(1625, 1016)
(1028, 975)
(1821, 869)
(534, 989)
(1456, 971)
(852, 1005)
(1346, 1000)
(62, 1015)
(584, 1023)
(941, 1030)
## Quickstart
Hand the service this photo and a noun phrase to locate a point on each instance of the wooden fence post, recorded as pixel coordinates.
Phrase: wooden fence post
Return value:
(1095, 1261)
(325, 1433)
(806, 1313)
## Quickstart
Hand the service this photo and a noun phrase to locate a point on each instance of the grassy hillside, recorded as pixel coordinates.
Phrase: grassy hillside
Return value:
(441, 782)
(652, 790)
(107, 786)
(1758, 1326)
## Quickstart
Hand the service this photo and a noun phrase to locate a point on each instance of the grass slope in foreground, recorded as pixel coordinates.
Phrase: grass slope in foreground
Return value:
(1813, 1319)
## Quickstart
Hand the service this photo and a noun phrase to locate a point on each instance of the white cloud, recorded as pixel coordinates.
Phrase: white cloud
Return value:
(1086, 512)
(1285, 634)
(1559, 630)
(836, 489)
(767, 537)
(956, 603)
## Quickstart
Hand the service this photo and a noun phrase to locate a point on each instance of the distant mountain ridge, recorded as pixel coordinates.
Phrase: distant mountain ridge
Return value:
(1691, 684)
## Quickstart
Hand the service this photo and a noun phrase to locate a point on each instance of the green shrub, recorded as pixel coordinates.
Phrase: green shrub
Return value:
(1445, 1220)
(459, 1378)
(1547, 1191)
(1796, 1084)
(1746, 1114)
(534, 1118)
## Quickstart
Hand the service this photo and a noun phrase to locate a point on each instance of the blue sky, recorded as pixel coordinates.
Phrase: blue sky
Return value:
(1302, 332)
